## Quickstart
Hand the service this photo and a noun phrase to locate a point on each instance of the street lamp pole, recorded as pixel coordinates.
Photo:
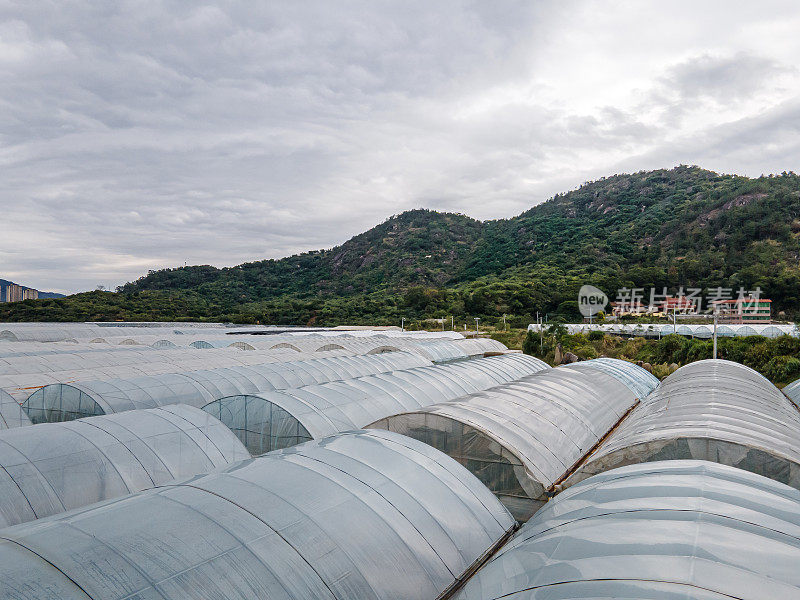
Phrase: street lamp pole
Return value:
(476, 326)
(541, 335)
(715, 332)
(402, 323)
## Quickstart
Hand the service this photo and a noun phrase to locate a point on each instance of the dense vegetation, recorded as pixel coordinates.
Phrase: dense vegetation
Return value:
(777, 359)
(680, 227)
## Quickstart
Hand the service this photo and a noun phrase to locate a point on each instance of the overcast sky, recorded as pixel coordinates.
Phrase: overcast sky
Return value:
(139, 135)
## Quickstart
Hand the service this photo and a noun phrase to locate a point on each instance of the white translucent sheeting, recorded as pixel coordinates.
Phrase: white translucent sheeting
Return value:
(11, 413)
(521, 438)
(65, 402)
(713, 410)
(792, 391)
(56, 332)
(55, 467)
(362, 515)
(436, 350)
(481, 346)
(704, 331)
(659, 531)
(111, 356)
(279, 419)
(22, 385)
(639, 381)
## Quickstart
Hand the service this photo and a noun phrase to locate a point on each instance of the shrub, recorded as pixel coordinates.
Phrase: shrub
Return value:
(782, 369)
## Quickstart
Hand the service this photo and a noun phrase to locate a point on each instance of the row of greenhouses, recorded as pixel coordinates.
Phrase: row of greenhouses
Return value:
(435, 348)
(694, 330)
(196, 387)
(403, 480)
(276, 419)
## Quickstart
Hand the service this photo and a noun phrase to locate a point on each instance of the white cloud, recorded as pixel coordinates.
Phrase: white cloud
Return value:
(144, 134)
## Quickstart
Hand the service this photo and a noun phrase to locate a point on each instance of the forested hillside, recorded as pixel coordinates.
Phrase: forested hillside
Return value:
(680, 227)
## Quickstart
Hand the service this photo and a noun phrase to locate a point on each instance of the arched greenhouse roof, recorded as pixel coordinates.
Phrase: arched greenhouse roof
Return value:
(279, 419)
(65, 402)
(34, 375)
(11, 413)
(713, 410)
(49, 332)
(661, 531)
(792, 391)
(639, 380)
(117, 356)
(55, 467)
(436, 350)
(522, 438)
(359, 515)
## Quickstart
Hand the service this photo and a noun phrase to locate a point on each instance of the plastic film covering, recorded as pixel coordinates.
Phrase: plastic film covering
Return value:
(792, 391)
(59, 332)
(362, 515)
(273, 420)
(106, 357)
(65, 402)
(22, 385)
(712, 410)
(11, 413)
(657, 330)
(436, 350)
(640, 381)
(55, 467)
(522, 437)
(662, 531)
(482, 346)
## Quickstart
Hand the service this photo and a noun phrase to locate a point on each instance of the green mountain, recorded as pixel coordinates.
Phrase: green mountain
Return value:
(667, 228)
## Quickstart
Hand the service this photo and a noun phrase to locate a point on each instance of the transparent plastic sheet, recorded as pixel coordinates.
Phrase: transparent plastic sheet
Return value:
(792, 391)
(325, 409)
(661, 531)
(711, 410)
(11, 413)
(358, 515)
(640, 381)
(64, 402)
(56, 467)
(522, 437)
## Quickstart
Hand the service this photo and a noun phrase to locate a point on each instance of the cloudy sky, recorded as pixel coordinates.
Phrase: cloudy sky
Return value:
(139, 135)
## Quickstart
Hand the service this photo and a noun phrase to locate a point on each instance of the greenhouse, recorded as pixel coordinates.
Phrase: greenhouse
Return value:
(792, 391)
(522, 438)
(117, 356)
(11, 413)
(60, 332)
(657, 330)
(637, 379)
(670, 530)
(55, 467)
(438, 351)
(362, 515)
(279, 419)
(22, 385)
(65, 402)
(712, 410)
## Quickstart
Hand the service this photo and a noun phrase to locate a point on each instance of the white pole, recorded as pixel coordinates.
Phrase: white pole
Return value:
(715, 332)
(476, 326)
(402, 324)
(541, 335)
